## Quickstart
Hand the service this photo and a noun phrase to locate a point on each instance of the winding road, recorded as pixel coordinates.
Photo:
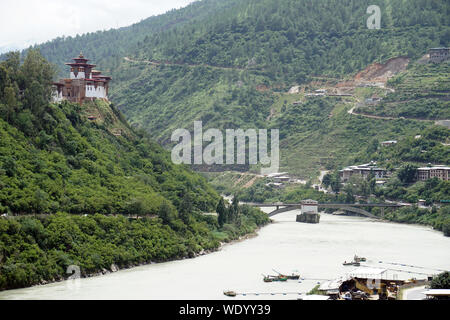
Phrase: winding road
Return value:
(351, 111)
(159, 63)
(445, 123)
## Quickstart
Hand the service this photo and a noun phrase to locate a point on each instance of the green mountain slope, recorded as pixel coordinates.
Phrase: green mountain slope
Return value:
(107, 48)
(291, 39)
(264, 59)
(284, 38)
(422, 92)
(230, 63)
(54, 159)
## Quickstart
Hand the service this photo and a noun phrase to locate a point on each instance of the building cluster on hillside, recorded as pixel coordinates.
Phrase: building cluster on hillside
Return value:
(84, 83)
(374, 100)
(364, 170)
(278, 179)
(438, 55)
(440, 172)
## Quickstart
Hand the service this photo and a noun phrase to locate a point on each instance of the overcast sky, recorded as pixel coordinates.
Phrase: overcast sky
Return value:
(27, 22)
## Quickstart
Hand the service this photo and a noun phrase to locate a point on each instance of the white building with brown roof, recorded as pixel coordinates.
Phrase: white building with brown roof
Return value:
(84, 83)
(363, 170)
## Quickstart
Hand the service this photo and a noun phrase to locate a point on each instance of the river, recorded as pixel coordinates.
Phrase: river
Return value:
(316, 251)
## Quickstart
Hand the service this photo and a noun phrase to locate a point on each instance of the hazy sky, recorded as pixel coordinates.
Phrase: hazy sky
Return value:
(26, 22)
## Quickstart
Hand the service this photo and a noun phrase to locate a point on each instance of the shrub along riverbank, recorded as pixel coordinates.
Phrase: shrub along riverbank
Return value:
(39, 250)
(439, 219)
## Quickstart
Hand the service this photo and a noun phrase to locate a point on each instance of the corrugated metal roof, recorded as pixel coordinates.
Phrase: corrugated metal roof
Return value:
(333, 284)
(314, 297)
(434, 168)
(363, 272)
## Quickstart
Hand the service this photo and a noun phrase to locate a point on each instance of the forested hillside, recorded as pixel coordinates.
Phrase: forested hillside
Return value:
(291, 40)
(287, 39)
(230, 64)
(263, 55)
(53, 158)
(107, 48)
(428, 146)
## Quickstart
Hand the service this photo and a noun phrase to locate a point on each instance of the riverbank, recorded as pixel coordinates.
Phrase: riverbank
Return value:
(36, 251)
(315, 251)
(438, 219)
(195, 255)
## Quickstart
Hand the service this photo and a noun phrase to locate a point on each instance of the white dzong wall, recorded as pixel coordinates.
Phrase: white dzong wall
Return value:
(80, 75)
(57, 96)
(93, 92)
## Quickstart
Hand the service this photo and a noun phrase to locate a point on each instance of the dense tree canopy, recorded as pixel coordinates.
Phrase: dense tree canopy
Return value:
(52, 159)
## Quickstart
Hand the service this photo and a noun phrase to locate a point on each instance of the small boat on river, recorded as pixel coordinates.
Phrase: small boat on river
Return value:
(274, 278)
(353, 263)
(292, 276)
(356, 261)
(230, 293)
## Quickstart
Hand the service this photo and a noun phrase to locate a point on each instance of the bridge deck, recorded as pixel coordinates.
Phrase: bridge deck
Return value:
(355, 207)
(325, 205)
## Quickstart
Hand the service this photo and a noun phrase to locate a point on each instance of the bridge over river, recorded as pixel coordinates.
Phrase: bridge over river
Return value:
(352, 207)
